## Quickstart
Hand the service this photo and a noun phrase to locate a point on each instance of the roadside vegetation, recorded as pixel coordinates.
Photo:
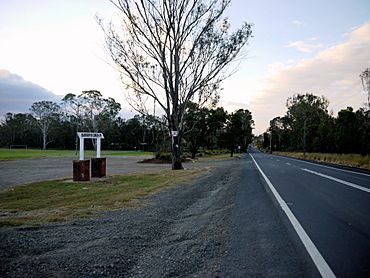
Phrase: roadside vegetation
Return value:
(309, 127)
(61, 200)
(353, 160)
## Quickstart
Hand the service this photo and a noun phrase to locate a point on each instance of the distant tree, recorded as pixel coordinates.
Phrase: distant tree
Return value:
(308, 126)
(266, 141)
(72, 111)
(18, 129)
(89, 111)
(196, 127)
(277, 130)
(97, 109)
(45, 112)
(303, 118)
(173, 52)
(239, 130)
(346, 130)
(325, 139)
(216, 123)
(363, 131)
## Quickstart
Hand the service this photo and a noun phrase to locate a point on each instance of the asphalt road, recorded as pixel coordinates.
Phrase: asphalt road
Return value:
(332, 205)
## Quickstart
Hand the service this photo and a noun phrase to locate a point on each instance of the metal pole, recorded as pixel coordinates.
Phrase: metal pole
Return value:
(304, 136)
(98, 146)
(82, 140)
(271, 141)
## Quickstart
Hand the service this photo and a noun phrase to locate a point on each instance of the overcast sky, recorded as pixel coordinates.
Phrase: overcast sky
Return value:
(51, 48)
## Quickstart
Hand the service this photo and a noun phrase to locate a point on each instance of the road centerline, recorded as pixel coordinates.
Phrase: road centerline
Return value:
(314, 253)
(337, 180)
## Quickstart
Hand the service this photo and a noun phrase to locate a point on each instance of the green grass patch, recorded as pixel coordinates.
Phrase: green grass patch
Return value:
(60, 200)
(353, 160)
(6, 154)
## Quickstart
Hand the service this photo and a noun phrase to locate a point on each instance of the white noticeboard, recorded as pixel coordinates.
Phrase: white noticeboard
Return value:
(174, 133)
(90, 135)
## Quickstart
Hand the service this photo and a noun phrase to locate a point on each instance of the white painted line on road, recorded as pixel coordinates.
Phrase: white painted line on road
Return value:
(315, 255)
(339, 180)
(325, 166)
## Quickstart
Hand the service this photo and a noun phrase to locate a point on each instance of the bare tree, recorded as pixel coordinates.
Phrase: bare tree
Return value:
(45, 112)
(173, 51)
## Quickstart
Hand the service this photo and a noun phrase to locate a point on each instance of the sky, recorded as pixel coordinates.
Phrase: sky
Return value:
(49, 48)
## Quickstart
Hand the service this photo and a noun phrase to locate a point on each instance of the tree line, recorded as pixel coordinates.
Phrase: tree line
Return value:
(309, 127)
(53, 125)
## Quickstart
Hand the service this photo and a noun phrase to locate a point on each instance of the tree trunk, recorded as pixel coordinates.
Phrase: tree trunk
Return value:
(194, 149)
(44, 140)
(176, 154)
(193, 153)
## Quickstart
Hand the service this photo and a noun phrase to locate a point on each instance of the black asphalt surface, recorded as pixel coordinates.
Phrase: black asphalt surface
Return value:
(335, 216)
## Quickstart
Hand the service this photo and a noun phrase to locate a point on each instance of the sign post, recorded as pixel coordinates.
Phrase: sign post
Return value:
(81, 167)
(90, 135)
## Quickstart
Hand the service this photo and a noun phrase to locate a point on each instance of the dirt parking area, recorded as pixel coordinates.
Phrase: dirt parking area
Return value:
(20, 171)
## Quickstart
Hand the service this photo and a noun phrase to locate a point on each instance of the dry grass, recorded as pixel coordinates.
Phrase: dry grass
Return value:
(354, 160)
(60, 200)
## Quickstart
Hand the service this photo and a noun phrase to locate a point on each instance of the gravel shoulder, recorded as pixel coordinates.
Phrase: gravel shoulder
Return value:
(221, 225)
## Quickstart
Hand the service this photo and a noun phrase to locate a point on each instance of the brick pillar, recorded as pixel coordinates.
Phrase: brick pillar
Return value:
(98, 167)
(81, 170)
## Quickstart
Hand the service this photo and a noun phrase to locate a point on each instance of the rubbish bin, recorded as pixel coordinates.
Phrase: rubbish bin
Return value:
(81, 170)
(98, 167)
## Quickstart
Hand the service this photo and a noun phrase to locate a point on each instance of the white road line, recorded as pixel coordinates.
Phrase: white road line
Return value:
(325, 166)
(339, 180)
(287, 163)
(317, 258)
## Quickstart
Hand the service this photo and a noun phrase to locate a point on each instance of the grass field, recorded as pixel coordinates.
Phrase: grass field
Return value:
(59, 200)
(6, 154)
(354, 160)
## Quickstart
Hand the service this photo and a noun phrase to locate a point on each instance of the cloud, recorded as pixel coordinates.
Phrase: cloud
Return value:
(17, 94)
(298, 23)
(306, 46)
(333, 72)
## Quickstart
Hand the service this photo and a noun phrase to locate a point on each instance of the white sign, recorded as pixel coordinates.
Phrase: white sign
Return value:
(174, 133)
(90, 135)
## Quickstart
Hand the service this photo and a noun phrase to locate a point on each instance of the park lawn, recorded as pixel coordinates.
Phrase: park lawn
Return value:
(353, 160)
(60, 200)
(6, 154)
